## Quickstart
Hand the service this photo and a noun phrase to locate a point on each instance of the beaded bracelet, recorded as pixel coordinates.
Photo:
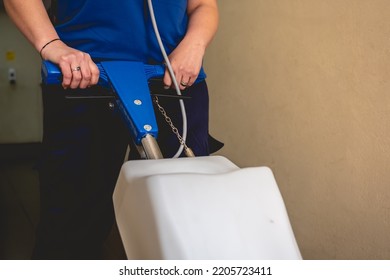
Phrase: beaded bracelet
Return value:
(40, 52)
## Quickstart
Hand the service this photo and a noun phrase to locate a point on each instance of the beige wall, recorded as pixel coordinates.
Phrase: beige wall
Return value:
(20, 104)
(303, 86)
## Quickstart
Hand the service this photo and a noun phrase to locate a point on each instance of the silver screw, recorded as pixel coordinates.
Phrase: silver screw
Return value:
(111, 105)
(137, 102)
(147, 127)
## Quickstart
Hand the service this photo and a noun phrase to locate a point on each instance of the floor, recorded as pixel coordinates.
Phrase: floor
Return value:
(19, 208)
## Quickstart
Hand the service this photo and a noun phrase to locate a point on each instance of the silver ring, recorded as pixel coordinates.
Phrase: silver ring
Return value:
(78, 68)
(183, 84)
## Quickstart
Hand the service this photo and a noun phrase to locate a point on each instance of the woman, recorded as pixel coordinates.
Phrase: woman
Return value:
(84, 139)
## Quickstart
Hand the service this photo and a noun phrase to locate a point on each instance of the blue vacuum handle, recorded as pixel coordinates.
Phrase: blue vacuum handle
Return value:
(129, 82)
(51, 73)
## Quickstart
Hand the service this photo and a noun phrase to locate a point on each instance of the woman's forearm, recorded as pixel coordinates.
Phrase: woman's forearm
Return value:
(187, 58)
(32, 20)
(203, 21)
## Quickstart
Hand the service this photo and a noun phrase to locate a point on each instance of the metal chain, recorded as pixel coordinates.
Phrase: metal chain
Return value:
(187, 150)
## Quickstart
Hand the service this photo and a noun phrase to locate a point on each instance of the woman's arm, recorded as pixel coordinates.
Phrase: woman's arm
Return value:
(32, 20)
(187, 58)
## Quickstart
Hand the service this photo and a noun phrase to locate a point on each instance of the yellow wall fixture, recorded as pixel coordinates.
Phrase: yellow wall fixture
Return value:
(303, 87)
(20, 99)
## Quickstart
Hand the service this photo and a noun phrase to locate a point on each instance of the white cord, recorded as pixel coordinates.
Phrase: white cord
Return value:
(170, 70)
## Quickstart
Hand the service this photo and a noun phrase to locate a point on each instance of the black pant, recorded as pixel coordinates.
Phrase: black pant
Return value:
(84, 147)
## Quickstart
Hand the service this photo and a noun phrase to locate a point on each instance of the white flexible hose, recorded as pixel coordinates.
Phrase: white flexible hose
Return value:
(170, 70)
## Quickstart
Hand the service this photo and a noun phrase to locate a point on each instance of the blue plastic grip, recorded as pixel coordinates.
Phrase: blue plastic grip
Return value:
(51, 73)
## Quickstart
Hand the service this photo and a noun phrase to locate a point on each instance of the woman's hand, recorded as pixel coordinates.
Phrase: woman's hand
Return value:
(78, 69)
(186, 61)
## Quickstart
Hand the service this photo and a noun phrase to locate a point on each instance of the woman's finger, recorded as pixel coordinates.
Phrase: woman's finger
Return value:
(75, 69)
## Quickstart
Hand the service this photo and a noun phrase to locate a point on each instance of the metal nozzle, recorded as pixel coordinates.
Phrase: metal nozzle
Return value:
(151, 147)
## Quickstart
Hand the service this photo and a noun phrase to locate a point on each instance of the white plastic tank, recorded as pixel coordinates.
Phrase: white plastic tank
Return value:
(201, 208)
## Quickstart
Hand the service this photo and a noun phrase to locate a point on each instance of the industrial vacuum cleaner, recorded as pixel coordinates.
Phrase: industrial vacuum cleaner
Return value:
(187, 208)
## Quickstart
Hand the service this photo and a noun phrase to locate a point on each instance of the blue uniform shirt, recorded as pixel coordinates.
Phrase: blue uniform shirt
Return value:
(121, 31)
